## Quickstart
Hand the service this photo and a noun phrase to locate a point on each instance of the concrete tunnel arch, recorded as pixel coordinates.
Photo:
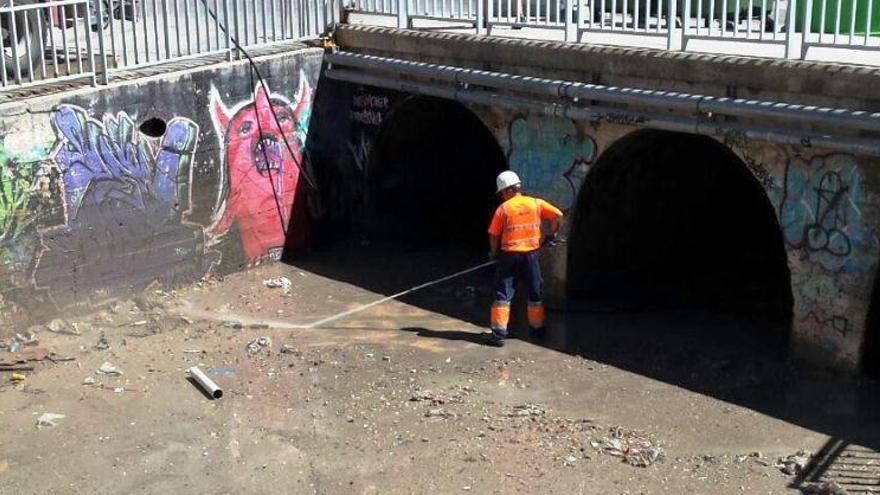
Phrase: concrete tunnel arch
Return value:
(678, 220)
(432, 175)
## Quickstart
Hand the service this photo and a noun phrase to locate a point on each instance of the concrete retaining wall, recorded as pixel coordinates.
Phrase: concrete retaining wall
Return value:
(93, 209)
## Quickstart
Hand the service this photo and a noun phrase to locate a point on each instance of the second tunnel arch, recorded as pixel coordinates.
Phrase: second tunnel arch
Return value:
(678, 220)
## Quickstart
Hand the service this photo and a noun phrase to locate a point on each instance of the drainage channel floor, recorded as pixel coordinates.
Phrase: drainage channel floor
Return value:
(399, 398)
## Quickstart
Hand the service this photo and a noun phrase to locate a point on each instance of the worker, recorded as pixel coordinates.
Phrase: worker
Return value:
(514, 241)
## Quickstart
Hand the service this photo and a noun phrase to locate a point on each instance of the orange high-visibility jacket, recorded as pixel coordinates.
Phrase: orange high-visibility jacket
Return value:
(518, 222)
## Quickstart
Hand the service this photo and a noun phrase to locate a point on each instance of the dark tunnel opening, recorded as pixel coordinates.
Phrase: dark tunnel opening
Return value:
(432, 176)
(871, 354)
(677, 221)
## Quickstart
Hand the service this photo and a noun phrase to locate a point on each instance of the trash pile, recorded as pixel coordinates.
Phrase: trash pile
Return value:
(633, 447)
(258, 344)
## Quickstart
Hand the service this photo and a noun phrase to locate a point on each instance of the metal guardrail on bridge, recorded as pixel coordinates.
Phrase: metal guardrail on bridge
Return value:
(55, 40)
(795, 24)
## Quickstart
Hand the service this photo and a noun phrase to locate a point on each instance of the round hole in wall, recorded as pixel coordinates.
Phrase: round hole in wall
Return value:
(153, 127)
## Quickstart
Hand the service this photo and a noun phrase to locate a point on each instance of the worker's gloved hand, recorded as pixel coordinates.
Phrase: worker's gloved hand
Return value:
(550, 240)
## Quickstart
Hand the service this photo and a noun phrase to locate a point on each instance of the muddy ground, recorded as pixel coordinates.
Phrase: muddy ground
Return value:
(402, 397)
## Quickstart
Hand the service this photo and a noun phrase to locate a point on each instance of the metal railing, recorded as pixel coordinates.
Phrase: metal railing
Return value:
(56, 40)
(796, 25)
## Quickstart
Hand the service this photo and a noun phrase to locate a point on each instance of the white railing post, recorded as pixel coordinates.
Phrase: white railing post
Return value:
(673, 42)
(790, 44)
(481, 18)
(490, 9)
(571, 29)
(808, 26)
(402, 17)
(102, 49)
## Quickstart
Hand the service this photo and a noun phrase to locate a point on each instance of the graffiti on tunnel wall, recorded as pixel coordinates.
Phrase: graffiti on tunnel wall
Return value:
(819, 210)
(124, 199)
(261, 167)
(820, 203)
(550, 156)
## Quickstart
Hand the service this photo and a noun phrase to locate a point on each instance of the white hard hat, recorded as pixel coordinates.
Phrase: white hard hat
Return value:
(506, 179)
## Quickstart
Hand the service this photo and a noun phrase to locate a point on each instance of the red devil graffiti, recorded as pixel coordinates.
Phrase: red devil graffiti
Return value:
(261, 172)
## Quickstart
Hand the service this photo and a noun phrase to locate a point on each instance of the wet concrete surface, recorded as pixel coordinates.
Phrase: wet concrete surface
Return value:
(344, 408)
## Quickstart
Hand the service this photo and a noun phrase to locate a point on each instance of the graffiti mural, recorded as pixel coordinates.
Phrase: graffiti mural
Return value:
(550, 156)
(24, 194)
(261, 170)
(125, 198)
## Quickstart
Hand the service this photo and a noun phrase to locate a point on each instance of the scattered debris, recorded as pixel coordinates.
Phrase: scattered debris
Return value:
(109, 369)
(420, 395)
(824, 488)
(62, 327)
(31, 354)
(633, 447)
(525, 410)
(16, 367)
(15, 346)
(49, 419)
(288, 349)
(794, 463)
(119, 390)
(282, 283)
(27, 339)
(193, 351)
(221, 371)
(89, 380)
(18, 377)
(439, 413)
(233, 324)
(258, 344)
(55, 358)
(258, 326)
(103, 344)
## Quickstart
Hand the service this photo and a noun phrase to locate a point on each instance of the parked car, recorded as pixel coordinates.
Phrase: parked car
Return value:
(21, 32)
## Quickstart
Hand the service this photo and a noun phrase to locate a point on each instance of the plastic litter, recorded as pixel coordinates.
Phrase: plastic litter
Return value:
(108, 369)
(527, 410)
(221, 371)
(49, 419)
(26, 339)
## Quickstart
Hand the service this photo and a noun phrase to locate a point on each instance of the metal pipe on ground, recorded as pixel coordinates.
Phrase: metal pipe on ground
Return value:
(204, 382)
(692, 125)
(820, 116)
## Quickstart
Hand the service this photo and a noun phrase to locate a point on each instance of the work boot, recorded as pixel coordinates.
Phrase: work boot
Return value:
(495, 339)
(538, 333)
